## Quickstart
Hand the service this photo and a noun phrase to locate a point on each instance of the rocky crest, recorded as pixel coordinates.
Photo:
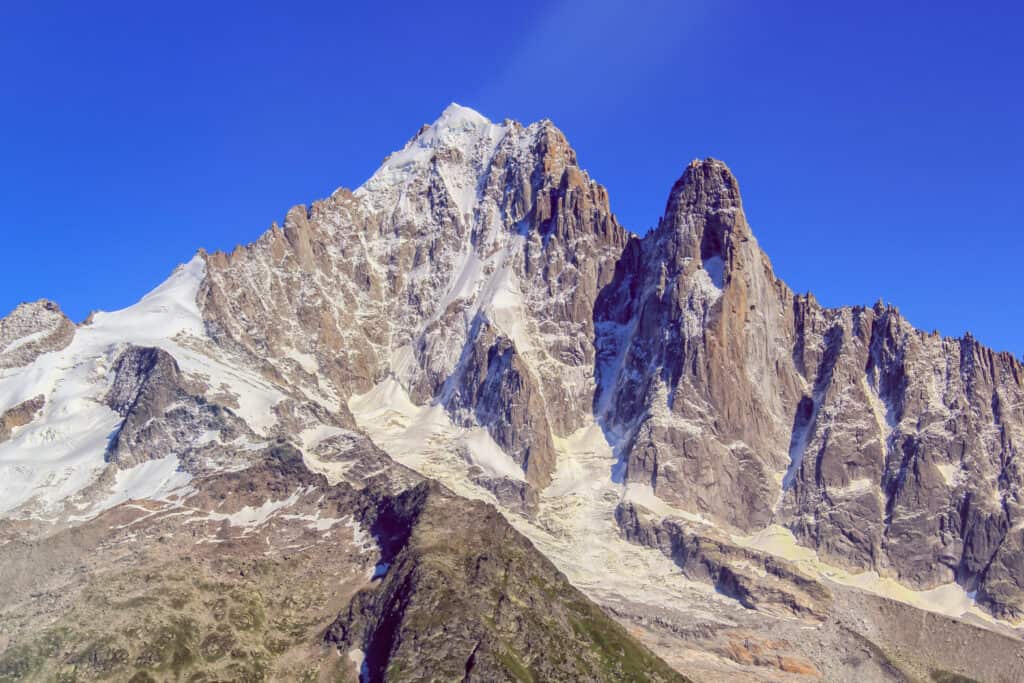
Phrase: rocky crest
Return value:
(692, 364)
(33, 329)
(891, 449)
(464, 596)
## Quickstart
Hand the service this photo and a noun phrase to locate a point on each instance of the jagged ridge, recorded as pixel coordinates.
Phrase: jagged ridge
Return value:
(478, 287)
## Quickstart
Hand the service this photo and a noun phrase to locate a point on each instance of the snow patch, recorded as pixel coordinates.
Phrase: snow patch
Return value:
(482, 450)
(360, 538)
(421, 433)
(644, 495)
(715, 268)
(952, 473)
(358, 657)
(854, 488)
(253, 517)
(151, 479)
(459, 128)
(316, 522)
(306, 361)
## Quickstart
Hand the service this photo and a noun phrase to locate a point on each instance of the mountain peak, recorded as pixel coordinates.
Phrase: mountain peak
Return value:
(457, 116)
(459, 129)
(707, 184)
(704, 213)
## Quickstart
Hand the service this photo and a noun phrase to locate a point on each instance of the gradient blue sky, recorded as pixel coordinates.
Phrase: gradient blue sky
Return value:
(879, 148)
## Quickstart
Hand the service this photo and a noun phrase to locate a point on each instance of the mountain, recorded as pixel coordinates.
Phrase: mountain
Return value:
(445, 420)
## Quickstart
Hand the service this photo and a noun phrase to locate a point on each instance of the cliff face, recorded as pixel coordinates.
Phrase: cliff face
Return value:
(905, 455)
(695, 370)
(466, 267)
(882, 447)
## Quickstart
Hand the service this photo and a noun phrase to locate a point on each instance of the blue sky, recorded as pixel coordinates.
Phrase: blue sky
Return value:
(880, 150)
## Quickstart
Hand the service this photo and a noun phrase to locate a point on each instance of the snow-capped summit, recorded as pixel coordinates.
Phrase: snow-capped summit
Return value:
(456, 116)
(461, 142)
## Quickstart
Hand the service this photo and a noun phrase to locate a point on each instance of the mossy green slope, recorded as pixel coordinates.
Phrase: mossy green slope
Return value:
(188, 598)
(466, 597)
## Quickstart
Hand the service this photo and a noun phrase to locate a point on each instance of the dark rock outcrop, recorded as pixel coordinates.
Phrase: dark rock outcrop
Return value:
(163, 415)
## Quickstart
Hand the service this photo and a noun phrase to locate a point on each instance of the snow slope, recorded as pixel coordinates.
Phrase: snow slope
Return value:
(61, 452)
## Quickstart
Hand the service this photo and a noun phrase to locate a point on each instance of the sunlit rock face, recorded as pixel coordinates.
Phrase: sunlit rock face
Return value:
(467, 268)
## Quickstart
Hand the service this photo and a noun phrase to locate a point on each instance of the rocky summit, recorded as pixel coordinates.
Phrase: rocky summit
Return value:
(460, 424)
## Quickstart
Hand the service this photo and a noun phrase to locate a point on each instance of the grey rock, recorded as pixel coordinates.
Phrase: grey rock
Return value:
(162, 414)
(893, 449)
(402, 279)
(693, 365)
(20, 415)
(31, 330)
(757, 580)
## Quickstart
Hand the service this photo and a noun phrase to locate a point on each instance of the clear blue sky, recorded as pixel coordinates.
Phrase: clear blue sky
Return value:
(879, 145)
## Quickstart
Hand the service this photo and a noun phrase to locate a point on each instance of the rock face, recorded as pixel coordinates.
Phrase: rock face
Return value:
(757, 580)
(693, 357)
(162, 414)
(467, 267)
(892, 450)
(32, 329)
(904, 453)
